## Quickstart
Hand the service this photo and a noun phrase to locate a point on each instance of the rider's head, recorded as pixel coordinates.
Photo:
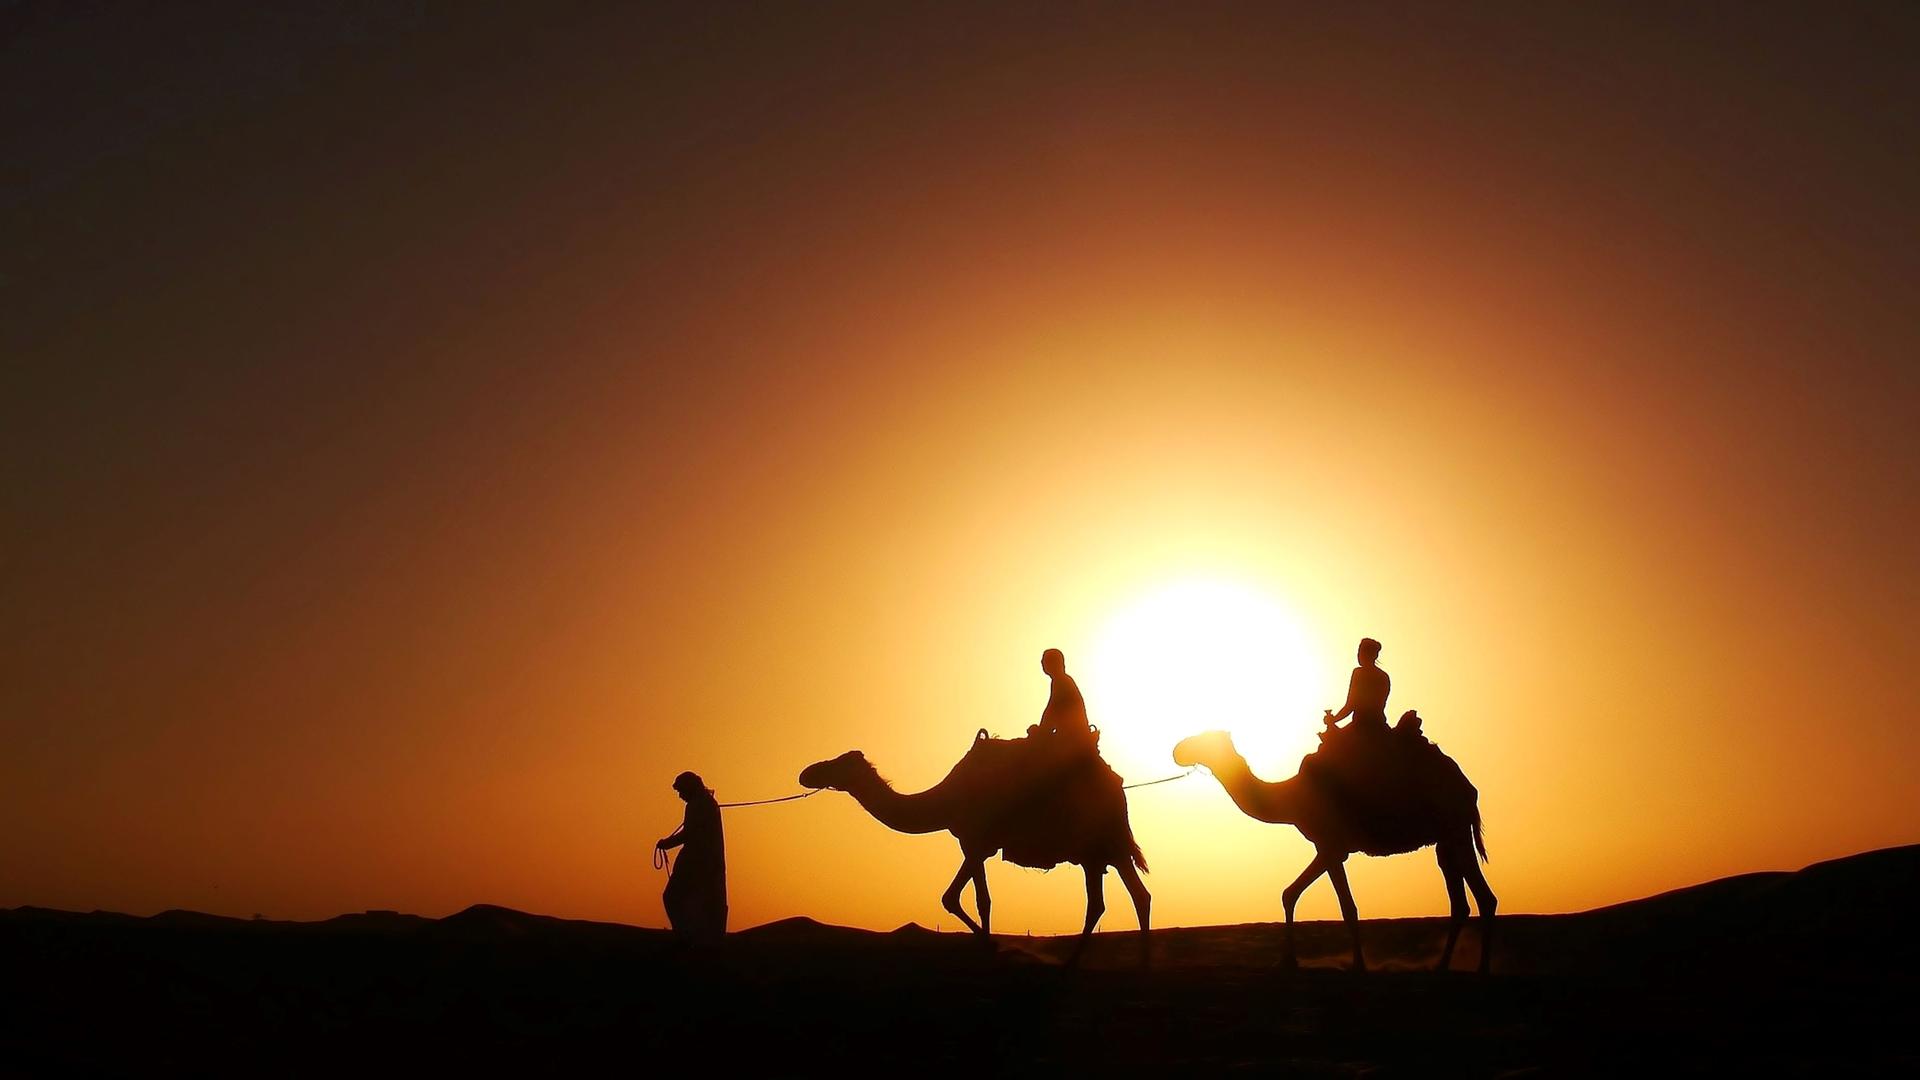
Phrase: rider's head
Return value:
(1053, 662)
(1369, 650)
(690, 786)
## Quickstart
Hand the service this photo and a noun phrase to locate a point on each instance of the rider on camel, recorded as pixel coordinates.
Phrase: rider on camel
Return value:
(1066, 711)
(1367, 694)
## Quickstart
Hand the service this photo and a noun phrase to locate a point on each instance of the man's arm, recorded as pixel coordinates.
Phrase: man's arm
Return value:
(1075, 707)
(679, 837)
(1059, 703)
(1353, 691)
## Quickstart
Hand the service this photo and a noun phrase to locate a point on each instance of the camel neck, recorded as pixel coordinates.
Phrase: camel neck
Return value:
(902, 813)
(1257, 798)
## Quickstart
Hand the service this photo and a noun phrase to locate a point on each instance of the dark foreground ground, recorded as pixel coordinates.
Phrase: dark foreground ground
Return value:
(1811, 972)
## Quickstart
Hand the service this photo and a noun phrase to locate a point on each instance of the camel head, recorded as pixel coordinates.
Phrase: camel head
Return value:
(837, 773)
(1208, 748)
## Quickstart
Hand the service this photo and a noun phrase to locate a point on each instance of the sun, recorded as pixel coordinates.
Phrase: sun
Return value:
(1198, 654)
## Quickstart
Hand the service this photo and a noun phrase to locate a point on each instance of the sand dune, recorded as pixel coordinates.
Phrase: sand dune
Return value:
(1808, 971)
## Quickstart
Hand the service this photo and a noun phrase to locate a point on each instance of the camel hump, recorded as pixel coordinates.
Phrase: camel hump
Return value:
(1050, 798)
(1397, 784)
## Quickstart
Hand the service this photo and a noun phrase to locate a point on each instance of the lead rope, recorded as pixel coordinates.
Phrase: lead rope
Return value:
(663, 860)
(764, 802)
(1163, 780)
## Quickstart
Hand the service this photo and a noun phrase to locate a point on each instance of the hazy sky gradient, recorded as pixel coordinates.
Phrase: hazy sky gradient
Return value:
(424, 438)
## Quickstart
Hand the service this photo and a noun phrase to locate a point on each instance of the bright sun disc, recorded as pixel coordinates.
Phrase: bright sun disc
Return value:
(1197, 655)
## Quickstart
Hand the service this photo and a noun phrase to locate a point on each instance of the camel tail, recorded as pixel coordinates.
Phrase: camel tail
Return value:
(1479, 836)
(1139, 859)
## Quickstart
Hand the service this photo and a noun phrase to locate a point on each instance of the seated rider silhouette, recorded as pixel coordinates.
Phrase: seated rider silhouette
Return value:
(1066, 711)
(1366, 694)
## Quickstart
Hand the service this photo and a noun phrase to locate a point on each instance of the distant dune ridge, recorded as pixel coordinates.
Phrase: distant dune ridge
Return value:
(1813, 970)
(1871, 896)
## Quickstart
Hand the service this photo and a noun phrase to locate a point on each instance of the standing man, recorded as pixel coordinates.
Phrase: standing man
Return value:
(696, 896)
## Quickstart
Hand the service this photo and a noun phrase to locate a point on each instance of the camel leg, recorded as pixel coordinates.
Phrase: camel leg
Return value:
(982, 902)
(1449, 857)
(1337, 873)
(1290, 896)
(1483, 899)
(951, 898)
(1142, 906)
(1096, 907)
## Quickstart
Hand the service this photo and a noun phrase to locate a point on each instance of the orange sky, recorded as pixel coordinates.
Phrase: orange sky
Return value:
(422, 441)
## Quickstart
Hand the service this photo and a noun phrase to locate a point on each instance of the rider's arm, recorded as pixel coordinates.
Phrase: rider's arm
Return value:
(1049, 716)
(1353, 691)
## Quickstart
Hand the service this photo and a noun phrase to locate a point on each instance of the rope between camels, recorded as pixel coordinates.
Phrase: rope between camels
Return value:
(1162, 780)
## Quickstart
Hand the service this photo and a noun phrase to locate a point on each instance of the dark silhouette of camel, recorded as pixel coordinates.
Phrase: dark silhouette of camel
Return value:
(1441, 808)
(1037, 802)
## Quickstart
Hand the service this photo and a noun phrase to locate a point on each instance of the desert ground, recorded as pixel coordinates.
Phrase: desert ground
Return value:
(1811, 972)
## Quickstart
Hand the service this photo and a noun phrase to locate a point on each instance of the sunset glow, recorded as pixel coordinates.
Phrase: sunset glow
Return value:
(724, 398)
(1203, 653)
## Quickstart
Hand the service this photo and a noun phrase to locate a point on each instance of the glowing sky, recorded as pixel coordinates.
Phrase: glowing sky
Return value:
(422, 440)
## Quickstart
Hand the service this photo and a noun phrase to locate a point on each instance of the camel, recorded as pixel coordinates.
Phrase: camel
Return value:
(1027, 803)
(1445, 813)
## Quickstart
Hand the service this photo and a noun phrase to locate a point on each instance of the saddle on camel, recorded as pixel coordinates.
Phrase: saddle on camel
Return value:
(1051, 795)
(1391, 780)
